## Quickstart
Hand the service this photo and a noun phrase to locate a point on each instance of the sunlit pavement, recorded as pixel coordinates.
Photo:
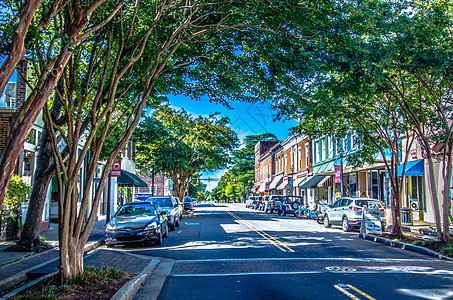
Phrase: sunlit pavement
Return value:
(227, 251)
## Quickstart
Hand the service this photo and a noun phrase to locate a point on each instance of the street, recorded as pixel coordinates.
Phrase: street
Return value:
(227, 251)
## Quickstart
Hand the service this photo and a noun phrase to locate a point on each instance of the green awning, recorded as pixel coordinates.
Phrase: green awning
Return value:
(324, 167)
(128, 178)
(311, 182)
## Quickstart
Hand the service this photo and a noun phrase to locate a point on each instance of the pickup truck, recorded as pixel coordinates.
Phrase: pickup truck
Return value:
(274, 203)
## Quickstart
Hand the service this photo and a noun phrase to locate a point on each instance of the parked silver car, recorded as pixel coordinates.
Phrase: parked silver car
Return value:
(347, 212)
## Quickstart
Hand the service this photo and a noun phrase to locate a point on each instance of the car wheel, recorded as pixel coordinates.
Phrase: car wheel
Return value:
(320, 219)
(165, 235)
(172, 226)
(345, 225)
(326, 222)
(159, 239)
(296, 205)
(177, 223)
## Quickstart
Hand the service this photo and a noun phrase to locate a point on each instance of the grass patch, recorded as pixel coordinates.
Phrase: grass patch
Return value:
(94, 283)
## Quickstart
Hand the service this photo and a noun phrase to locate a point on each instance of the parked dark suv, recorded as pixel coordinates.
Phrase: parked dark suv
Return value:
(170, 205)
(188, 204)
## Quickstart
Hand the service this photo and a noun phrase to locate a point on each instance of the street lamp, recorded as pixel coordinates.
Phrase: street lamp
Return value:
(341, 152)
(292, 171)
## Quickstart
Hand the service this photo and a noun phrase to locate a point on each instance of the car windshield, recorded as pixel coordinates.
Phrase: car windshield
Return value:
(136, 210)
(293, 199)
(162, 202)
(368, 203)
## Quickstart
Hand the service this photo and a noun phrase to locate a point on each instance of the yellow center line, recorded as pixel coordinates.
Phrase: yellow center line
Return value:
(360, 292)
(346, 292)
(267, 236)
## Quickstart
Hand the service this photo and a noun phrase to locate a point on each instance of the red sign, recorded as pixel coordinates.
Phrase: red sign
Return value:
(337, 173)
(116, 168)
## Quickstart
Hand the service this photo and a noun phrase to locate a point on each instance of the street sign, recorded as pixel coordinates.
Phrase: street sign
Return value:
(372, 220)
(290, 182)
(337, 174)
(116, 168)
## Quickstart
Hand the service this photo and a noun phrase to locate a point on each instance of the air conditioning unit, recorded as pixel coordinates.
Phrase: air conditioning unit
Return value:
(414, 204)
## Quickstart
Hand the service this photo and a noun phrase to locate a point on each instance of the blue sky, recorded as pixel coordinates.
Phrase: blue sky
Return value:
(246, 119)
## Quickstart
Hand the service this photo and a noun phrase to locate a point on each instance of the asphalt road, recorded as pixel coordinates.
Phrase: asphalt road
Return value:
(231, 252)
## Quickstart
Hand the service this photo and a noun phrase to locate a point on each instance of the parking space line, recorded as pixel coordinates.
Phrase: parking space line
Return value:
(281, 246)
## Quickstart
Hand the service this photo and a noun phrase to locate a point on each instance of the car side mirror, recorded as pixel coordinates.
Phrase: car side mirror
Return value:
(176, 205)
(163, 213)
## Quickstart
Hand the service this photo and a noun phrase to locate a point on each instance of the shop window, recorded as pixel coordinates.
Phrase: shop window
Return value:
(32, 137)
(415, 193)
(374, 185)
(39, 137)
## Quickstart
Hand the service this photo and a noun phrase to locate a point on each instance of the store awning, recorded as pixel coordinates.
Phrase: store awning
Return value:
(262, 188)
(283, 184)
(297, 181)
(275, 182)
(324, 167)
(128, 178)
(311, 182)
(413, 168)
(323, 181)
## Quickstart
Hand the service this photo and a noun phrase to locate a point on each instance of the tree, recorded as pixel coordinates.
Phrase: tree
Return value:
(180, 145)
(71, 26)
(387, 73)
(18, 192)
(241, 175)
(173, 47)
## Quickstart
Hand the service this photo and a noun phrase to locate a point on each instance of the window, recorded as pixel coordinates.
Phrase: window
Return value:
(306, 156)
(299, 160)
(32, 137)
(330, 146)
(323, 148)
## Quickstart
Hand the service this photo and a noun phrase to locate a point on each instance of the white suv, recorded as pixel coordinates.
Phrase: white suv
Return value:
(347, 212)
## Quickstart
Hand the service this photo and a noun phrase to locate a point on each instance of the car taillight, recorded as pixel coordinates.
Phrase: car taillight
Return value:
(355, 208)
(381, 209)
(273, 202)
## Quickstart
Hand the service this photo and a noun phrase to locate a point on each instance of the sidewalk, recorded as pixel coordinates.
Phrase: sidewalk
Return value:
(17, 267)
(425, 230)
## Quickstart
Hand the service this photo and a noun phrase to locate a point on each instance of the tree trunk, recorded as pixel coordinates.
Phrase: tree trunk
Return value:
(17, 50)
(433, 190)
(43, 174)
(27, 117)
(42, 177)
(446, 195)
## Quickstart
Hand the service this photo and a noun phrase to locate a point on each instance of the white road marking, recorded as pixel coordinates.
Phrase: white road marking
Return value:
(310, 258)
(179, 231)
(296, 273)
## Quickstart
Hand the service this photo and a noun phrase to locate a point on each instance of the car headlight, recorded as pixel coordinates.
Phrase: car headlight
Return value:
(153, 225)
(110, 227)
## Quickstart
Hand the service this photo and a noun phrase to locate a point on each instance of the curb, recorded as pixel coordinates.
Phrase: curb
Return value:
(131, 288)
(405, 246)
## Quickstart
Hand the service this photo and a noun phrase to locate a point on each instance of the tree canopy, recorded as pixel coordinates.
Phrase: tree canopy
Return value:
(180, 145)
